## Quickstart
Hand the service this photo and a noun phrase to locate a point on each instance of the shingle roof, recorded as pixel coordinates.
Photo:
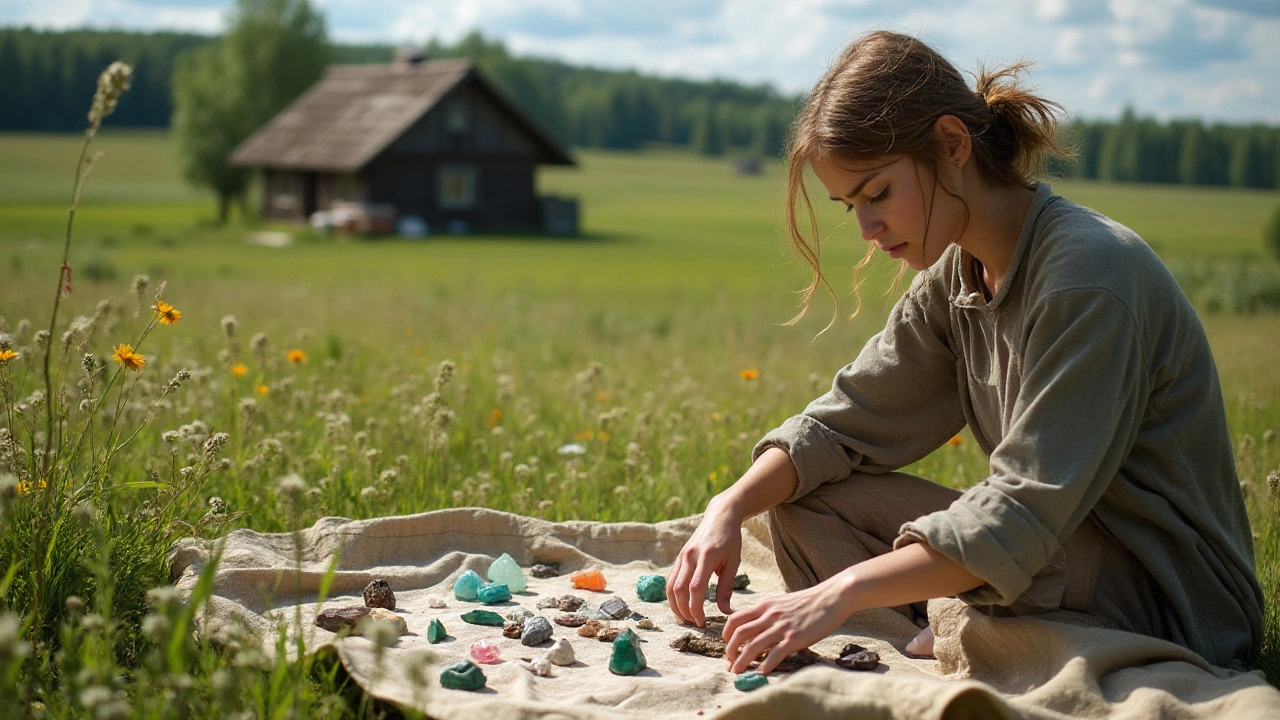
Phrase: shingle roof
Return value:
(355, 111)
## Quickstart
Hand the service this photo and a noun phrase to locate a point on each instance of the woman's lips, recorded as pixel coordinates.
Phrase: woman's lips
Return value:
(897, 250)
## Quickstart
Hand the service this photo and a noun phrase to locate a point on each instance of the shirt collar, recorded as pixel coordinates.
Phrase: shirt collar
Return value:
(969, 293)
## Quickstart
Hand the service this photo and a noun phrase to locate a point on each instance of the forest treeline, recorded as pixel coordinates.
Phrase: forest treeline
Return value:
(45, 76)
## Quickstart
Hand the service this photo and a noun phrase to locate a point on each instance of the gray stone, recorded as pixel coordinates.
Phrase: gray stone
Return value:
(536, 631)
(615, 607)
(545, 570)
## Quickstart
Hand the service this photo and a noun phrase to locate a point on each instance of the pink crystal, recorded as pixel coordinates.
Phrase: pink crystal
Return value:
(485, 651)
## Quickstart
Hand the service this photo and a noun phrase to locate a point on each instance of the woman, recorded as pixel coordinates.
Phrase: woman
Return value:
(1053, 332)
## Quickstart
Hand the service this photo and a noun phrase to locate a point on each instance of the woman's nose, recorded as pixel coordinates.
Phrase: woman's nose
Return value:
(870, 227)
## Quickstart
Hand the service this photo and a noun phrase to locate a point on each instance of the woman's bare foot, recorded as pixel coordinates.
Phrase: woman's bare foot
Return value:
(922, 644)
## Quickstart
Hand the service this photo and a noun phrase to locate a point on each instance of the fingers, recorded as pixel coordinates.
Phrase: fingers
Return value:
(698, 593)
(724, 585)
(733, 629)
(760, 636)
(672, 581)
(688, 585)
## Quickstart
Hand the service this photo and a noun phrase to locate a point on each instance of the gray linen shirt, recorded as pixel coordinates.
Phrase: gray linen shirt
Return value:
(1089, 383)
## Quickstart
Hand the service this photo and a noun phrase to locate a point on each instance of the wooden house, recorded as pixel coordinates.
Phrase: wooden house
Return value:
(431, 139)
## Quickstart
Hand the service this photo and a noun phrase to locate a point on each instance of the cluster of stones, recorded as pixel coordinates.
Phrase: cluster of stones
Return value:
(379, 602)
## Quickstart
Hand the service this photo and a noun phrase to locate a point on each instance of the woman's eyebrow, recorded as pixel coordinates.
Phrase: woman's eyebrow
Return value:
(858, 188)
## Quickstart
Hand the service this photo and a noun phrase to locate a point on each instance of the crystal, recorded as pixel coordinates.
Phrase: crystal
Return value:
(462, 675)
(750, 680)
(335, 619)
(561, 653)
(627, 659)
(485, 651)
(588, 580)
(863, 660)
(615, 607)
(465, 587)
(436, 632)
(741, 581)
(436, 602)
(512, 629)
(545, 570)
(483, 617)
(493, 593)
(652, 588)
(536, 631)
(504, 570)
(591, 628)
(377, 594)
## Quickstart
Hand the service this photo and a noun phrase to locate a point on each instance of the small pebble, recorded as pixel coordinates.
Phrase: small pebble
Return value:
(608, 634)
(384, 615)
(561, 653)
(545, 570)
(571, 620)
(512, 628)
(646, 624)
(591, 628)
(335, 619)
(520, 614)
(863, 661)
(536, 631)
(539, 666)
(377, 594)
(436, 632)
(436, 602)
(750, 680)
(741, 581)
(615, 607)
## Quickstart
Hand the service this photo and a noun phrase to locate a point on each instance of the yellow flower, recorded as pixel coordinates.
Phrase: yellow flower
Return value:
(166, 313)
(955, 441)
(262, 389)
(749, 374)
(296, 356)
(602, 395)
(239, 369)
(125, 355)
(6, 355)
(25, 486)
(585, 435)
(495, 417)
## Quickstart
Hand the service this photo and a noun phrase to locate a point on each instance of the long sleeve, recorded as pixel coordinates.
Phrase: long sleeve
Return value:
(894, 404)
(1084, 389)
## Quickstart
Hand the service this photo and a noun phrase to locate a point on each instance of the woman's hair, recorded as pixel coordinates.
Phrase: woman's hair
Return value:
(883, 97)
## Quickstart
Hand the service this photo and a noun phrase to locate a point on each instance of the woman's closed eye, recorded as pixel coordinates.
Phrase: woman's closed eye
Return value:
(881, 196)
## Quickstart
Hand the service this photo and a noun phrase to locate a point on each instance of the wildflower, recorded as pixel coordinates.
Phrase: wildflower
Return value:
(140, 283)
(602, 395)
(125, 355)
(258, 343)
(749, 374)
(89, 363)
(217, 506)
(112, 83)
(674, 503)
(444, 374)
(292, 487)
(955, 441)
(495, 417)
(166, 313)
(182, 376)
(1273, 482)
(262, 389)
(572, 449)
(6, 355)
(295, 356)
(229, 326)
(24, 486)
(215, 444)
(239, 369)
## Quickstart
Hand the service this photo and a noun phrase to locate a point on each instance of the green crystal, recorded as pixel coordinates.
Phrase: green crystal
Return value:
(463, 675)
(505, 570)
(493, 593)
(627, 658)
(483, 617)
(436, 632)
(652, 588)
(750, 680)
(465, 587)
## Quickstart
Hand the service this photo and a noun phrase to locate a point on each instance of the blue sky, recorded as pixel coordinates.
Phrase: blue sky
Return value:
(1216, 59)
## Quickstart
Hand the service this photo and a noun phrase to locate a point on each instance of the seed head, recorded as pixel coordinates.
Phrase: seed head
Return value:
(229, 327)
(214, 445)
(444, 373)
(1273, 482)
(112, 83)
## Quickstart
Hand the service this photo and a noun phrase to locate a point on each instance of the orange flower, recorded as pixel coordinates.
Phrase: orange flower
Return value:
(295, 356)
(24, 486)
(602, 395)
(749, 374)
(955, 441)
(125, 355)
(239, 369)
(585, 435)
(166, 313)
(6, 355)
(495, 417)
(262, 389)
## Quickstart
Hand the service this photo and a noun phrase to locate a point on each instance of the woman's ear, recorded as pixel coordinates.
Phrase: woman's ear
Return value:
(955, 138)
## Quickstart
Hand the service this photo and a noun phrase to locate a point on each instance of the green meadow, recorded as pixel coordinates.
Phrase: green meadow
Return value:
(656, 340)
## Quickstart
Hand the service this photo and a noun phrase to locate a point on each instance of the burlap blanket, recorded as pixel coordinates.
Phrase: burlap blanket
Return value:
(1043, 667)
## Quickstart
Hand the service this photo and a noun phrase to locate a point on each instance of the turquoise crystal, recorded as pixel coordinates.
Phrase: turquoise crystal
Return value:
(436, 632)
(750, 680)
(652, 588)
(505, 570)
(627, 659)
(465, 587)
(483, 617)
(493, 593)
(463, 675)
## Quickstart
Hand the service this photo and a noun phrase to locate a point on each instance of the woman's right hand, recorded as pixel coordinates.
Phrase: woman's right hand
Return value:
(715, 548)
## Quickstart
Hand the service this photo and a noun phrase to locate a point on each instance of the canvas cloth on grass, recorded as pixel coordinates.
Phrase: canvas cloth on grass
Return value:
(1038, 667)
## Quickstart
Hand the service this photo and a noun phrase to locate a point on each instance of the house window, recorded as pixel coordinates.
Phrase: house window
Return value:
(458, 186)
(458, 116)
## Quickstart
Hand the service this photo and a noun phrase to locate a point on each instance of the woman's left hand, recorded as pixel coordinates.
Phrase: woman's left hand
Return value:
(783, 624)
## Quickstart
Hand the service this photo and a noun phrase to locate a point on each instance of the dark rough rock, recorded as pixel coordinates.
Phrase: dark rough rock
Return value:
(572, 620)
(545, 570)
(699, 644)
(512, 629)
(864, 660)
(741, 581)
(615, 607)
(794, 661)
(536, 631)
(377, 594)
(336, 619)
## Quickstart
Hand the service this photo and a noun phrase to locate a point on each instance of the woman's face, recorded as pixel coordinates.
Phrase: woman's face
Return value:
(895, 203)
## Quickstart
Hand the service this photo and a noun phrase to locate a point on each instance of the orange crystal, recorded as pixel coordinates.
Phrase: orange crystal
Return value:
(588, 580)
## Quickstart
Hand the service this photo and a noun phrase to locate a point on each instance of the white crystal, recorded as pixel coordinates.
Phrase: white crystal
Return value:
(436, 602)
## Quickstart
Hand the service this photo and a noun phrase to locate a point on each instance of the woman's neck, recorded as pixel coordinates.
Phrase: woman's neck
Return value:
(996, 217)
